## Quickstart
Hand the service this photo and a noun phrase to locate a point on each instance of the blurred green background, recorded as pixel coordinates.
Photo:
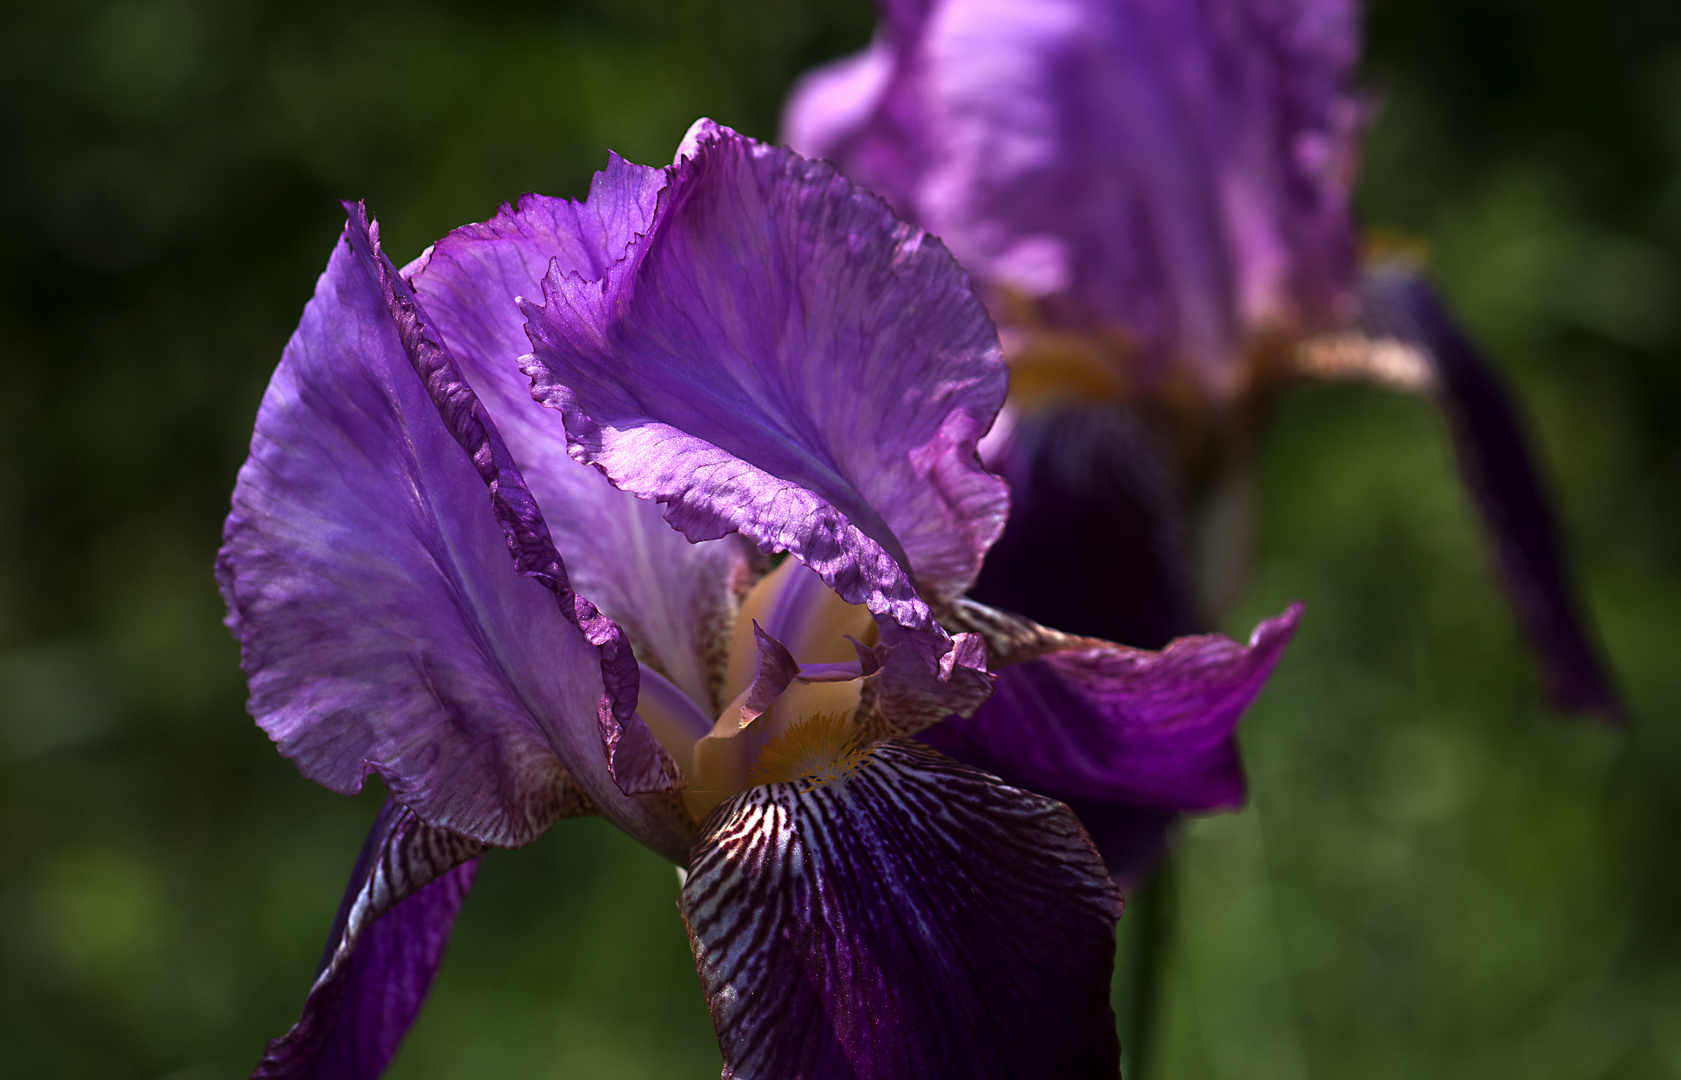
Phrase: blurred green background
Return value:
(1436, 877)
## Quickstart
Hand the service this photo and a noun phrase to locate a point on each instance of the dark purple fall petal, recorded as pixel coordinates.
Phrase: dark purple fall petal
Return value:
(674, 598)
(1105, 723)
(1180, 169)
(918, 919)
(783, 357)
(382, 953)
(1094, 542)
(384, 627)
(1499, 471)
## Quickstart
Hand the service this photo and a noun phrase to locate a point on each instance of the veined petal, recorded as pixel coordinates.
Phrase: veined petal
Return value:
(384, 626)
(1499, 471)
(915, 919)
(1081, 719)
(1181, 169)
(382, 953)
(780, 356)
(674, 598)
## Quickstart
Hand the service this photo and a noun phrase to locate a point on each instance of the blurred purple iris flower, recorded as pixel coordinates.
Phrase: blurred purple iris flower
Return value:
(1154, 199)
(766, 350)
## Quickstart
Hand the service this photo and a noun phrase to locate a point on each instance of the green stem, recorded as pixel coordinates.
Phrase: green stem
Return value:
(1150, 910)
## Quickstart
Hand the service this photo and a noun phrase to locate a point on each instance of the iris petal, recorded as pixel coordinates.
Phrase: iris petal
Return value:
(1093, 545)
(674, 598)
(1500, 472)
(382, 954)
(915, 919)
(1128, 738)
(1078, 718)
(1181, 169)
(384, 626)
(783, 357)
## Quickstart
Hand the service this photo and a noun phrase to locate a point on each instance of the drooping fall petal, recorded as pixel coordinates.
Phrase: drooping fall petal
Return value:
(915, 919)
(1076, 718)
(399, 606)
(1499, 470)
(783, 357)
(382, 953)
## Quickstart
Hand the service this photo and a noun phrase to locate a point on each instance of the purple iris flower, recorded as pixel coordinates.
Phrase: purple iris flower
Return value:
(1154, 198)
(447, 565)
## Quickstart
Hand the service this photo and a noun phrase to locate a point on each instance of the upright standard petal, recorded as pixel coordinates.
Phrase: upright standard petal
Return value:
(674, 598)
(1181, 169)
(384, 626)
(915, 918)
(382, 953)
(1499, 471)
(1076, 718)
(782, 357)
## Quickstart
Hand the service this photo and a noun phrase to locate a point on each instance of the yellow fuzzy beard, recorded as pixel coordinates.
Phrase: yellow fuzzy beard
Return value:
(816, 750)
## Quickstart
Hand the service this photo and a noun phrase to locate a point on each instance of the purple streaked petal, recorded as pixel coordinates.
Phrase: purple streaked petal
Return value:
(782, 357)
(383, 626)
(674, 598)
(1180, 169)
(381, 954)
(916, 919)
(1499, 471)
(1092, 721)
(1094, 542)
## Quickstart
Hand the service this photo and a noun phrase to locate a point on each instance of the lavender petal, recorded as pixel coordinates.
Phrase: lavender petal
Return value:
(1182, 170)
(383, 625)
(780, 356)
(673, 598)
